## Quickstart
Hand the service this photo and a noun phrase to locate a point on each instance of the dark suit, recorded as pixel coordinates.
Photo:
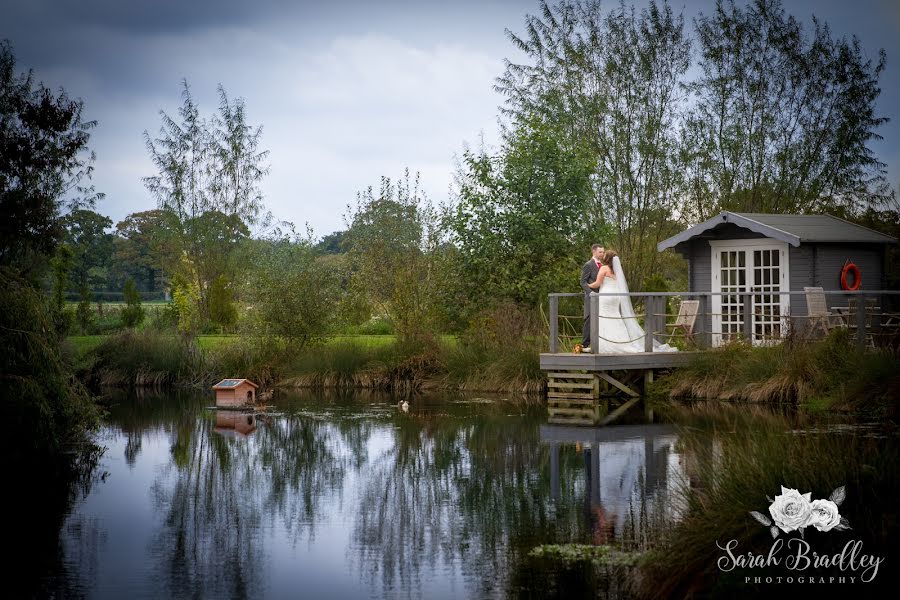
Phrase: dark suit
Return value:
(588, 275)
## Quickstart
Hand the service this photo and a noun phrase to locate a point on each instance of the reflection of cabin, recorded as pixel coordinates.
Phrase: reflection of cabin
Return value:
(232, 423)
(234, 393)
(744, 252)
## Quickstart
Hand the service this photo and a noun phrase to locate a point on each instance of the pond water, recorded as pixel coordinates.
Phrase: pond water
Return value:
(350, 497)
(331, 496)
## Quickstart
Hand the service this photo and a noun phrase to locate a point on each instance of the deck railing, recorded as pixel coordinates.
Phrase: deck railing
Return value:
(874, 322)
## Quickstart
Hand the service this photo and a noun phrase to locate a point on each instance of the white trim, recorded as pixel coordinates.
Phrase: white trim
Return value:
(717, 246)
(735, 219)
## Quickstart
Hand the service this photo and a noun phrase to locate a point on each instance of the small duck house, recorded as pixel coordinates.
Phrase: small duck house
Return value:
(766, 254)
(235, 393)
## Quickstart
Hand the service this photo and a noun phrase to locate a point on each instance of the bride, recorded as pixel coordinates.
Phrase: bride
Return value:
(619, 328)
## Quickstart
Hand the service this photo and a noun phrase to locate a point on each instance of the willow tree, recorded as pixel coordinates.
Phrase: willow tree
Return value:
(207, 182)
(611, 81)
(781, 118)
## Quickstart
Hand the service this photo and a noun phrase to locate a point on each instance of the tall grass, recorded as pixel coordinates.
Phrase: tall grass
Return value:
(830, 373)
(736, 457)
(145, 358)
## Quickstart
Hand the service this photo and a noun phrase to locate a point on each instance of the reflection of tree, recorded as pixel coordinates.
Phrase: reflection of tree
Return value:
(219, 492)
(451, 493)
(41, 566)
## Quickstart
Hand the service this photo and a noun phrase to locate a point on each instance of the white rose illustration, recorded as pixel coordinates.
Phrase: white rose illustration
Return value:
(790, 511)
(824, 515)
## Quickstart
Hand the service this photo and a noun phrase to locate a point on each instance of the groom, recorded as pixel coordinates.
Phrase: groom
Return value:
(590, 283)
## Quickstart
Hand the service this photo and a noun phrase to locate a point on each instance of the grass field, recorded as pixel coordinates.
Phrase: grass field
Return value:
(85, 343)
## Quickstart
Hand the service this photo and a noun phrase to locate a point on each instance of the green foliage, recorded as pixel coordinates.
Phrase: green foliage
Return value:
(47, 409)
(83, 313)
(222, 308)
(832, 372)
(61, 265)
(574, 553)
(393, 243)
(43, 162)
(521, 222)
(133, 313)
(736, 456)
(781, 119)
(186, 303)
(92, 246)
(291, 293)
(140, 249)
(145, 357)
(611, 82)
(207, 184)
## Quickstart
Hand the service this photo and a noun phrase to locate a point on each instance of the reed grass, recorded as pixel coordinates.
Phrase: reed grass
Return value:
(735, 457)
(830, 373)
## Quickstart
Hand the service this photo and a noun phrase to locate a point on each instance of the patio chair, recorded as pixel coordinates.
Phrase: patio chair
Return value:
(820, 319)
(852, 307)
(686, 319)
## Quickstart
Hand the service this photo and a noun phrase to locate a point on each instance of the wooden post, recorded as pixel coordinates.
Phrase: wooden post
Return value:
(648, 379)
(594, 300)
(700, 337)
(748, 317)
(554, 323)
(649, 322)
(554, 470)
(861, 322)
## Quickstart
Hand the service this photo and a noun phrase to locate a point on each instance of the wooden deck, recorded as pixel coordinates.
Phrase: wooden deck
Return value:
(568, 361)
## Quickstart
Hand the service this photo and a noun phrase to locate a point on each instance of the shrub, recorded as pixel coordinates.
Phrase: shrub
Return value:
(47, 409)
(133, 313)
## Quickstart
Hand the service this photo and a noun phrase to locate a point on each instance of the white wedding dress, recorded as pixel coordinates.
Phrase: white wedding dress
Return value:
(620, 331)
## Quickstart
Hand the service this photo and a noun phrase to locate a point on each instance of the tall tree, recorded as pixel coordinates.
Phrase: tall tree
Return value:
(521, 217)
(140, 249)
(92, 246)
(392, 238)
(208, 176)
(45, 164)
(781, 119)
(611, 81)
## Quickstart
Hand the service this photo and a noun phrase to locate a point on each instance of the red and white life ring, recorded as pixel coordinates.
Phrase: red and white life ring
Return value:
(850, 269)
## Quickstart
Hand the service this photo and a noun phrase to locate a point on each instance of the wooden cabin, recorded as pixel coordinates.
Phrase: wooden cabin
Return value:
(752, 252)
(235, 393)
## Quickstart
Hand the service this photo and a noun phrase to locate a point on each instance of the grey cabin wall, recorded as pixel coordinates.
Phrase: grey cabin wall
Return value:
(811, 265)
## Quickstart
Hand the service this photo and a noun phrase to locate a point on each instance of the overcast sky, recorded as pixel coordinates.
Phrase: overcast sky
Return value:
(346, 91)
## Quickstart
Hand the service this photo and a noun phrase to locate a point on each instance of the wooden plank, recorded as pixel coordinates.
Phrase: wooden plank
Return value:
(555, 394)
(571, 402)
(613, 362)
(588, 385)
(619, 384)
(570, 375)
(561, 420)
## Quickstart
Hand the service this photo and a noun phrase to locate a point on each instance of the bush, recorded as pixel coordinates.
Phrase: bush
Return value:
(47, 410)
(291, 294)
(133, 313)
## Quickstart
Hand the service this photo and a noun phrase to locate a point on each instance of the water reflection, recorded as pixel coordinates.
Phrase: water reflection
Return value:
(348, 496)
(628, 471)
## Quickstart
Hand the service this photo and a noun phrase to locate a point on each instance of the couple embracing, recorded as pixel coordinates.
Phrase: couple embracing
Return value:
(619, 328)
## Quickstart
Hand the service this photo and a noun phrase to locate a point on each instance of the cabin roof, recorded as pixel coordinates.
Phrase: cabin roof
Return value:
(230, 384)
(792, 229)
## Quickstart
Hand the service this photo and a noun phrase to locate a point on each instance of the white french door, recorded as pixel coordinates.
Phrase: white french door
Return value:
(758, 266)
